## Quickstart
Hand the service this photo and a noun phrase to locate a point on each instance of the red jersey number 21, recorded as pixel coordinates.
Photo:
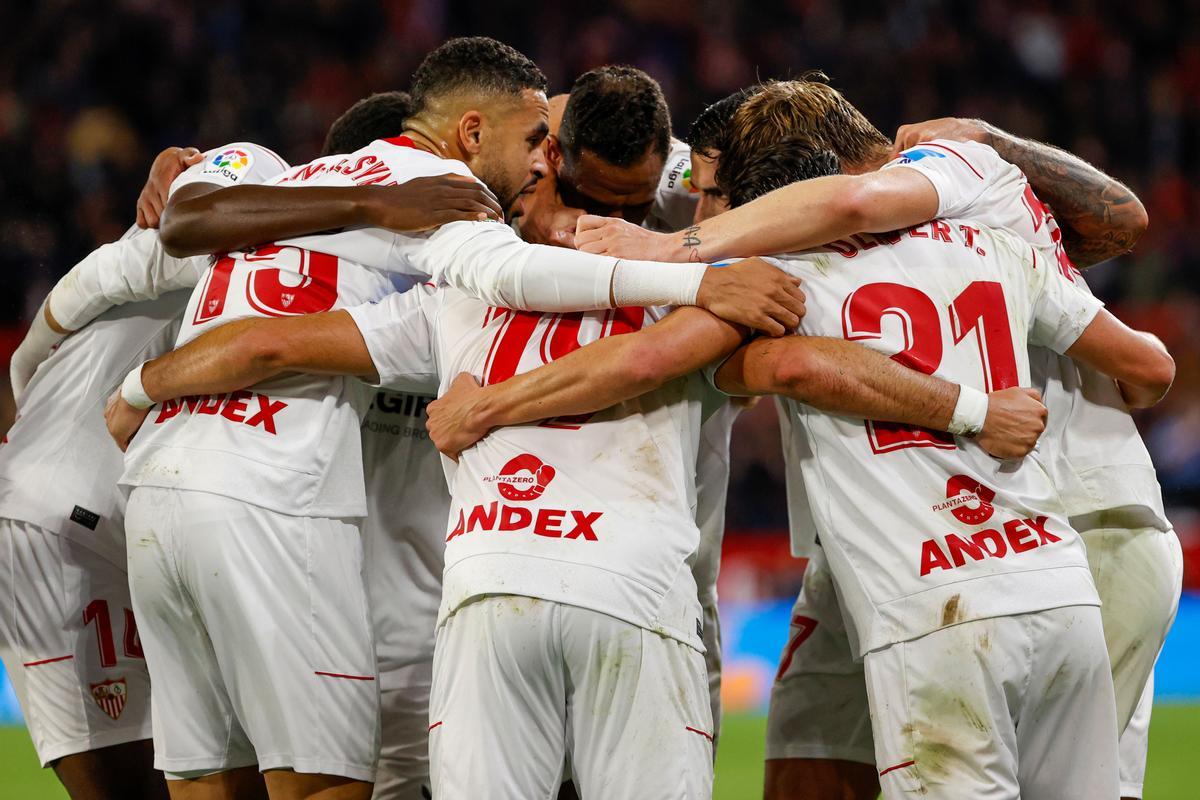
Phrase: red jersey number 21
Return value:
(980, 310)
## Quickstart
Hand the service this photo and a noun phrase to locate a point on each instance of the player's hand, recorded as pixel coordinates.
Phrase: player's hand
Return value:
(1015, 420)
(430, 201)
(753, 293)
(953, 128)
(453, 422)
(168, 166)
(123, 420)
(609, 236)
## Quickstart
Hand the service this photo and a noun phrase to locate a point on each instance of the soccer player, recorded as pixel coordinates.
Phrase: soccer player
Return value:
(1100, 462)
(134, 271)
(70, 628)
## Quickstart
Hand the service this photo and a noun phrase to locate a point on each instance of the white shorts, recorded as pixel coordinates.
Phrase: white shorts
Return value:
(520, 685)
(70, 643)
(403, 772)
(1135, 741)
(712, 665)
(1005, 708)
(819, 699)
(1139, 576)
(819, 704)
(257, 634)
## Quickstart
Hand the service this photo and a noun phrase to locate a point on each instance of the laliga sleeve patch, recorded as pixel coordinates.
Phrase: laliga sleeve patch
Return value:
(233, 164)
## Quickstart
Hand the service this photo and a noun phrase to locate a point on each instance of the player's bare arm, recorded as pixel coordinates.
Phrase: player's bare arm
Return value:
(242, 216)
(796, 217)
(845, 378)
(1138, 361)
(1100, 216)
(167, 166)
(602, 374)
(241, 354)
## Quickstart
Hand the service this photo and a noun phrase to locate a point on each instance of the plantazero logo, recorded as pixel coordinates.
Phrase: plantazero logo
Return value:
(524, 478)
(968, 500)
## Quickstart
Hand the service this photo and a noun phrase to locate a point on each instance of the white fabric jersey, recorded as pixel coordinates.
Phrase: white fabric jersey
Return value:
(596, 512)
(58, 466)
(404, 532)
(675, 201)
(907, 516)
(1091, 445)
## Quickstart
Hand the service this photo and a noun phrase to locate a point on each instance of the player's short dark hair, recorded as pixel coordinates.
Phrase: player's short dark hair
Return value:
(618, 113)
(474, 63)
(379, 116)
(707, 136)
(773, 166)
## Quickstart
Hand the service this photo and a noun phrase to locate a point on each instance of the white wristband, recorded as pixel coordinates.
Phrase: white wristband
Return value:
(970, 412)
(651, 283)
(133, 392)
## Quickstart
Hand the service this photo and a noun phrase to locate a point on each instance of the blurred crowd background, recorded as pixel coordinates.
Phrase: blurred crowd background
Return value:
(90, 92)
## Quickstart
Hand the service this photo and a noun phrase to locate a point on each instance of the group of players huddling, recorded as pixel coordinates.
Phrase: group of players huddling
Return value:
(321, 612)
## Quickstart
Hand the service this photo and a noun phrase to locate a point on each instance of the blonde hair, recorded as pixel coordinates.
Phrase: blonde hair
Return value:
(807, 109)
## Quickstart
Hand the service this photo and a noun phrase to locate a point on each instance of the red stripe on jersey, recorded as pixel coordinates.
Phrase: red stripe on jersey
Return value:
(46, 661)
(697, 730)
(948, 150)
(401, 141)
(897, 766)
(347, 677)
(282, 164)
(437, 724)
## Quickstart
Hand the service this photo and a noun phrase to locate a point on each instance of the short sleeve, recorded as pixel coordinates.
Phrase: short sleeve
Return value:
(675, 200)
(1062, 311)
(231, 165)
(398, 332)
(961, 172)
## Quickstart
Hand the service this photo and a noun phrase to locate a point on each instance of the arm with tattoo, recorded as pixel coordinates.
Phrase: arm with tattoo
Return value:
(1101, 217)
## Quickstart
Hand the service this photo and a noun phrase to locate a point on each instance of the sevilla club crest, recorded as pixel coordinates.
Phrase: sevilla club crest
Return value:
(111, 696)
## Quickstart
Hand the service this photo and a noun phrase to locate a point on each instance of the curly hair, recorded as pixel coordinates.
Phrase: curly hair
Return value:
(773, 166)
(618, 113)
(474, 63)
(708, 132)
(378, 116)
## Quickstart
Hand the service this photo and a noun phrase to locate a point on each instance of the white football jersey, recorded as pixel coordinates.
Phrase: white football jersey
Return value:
(675, 201)
(1091, 444)
(58, 466)
(595, 511)
(922, 529)
(404, 534)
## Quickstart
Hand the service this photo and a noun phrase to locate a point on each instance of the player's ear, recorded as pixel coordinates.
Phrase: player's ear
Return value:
(553, 153)
(470, 132)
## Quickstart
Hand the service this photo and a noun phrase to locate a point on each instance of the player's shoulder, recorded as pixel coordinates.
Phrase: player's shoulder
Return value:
(675, 199)
(976, 158)
(407, 161)
(236, 161)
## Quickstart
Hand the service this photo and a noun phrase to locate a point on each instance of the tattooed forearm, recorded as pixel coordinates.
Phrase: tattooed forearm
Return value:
(1101, 217)
(691, 241)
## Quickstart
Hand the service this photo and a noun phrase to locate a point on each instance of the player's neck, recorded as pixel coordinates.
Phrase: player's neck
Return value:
(427, 137)
(874, 162)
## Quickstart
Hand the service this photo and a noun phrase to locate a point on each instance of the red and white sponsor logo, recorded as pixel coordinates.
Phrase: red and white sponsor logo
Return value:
(523, 478)
(242, 407)
(1017, 536)
(111, 696)
(968, 500)
(552, 523)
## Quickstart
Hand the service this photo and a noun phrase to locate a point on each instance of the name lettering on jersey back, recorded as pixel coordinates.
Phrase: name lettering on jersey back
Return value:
(363, 171)
(937, 230)
(240, 407)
